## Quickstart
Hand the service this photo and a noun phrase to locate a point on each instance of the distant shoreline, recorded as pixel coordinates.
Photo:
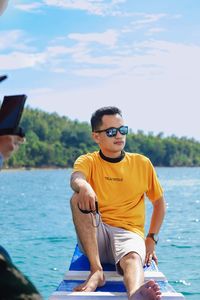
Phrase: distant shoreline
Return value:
(7, 169)
(33, 168)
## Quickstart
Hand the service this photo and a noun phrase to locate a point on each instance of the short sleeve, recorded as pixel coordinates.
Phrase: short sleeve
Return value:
(155, 190)
(83, 165)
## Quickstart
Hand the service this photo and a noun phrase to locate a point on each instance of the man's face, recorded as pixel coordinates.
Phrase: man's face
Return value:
(110, 146)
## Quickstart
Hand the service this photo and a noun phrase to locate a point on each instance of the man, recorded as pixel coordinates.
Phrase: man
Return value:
(119, 182)
(13, 284)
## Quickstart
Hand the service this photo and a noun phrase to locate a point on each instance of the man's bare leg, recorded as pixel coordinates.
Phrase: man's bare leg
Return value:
(87, 236)
(134, 279)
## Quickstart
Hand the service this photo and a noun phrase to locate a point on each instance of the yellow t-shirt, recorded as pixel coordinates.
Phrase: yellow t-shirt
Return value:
(121, 187)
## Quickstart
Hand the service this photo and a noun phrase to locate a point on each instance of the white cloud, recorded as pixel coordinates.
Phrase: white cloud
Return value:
(144, 21)
(9, 39)
(178, 60)
(153, 30)
(107, 38)
(148, 59)
(94, 72)
(20, 60)
(41, 91)
(15, 40)
(149, 18)
(98, 7)
(55, 51)
(30, 7)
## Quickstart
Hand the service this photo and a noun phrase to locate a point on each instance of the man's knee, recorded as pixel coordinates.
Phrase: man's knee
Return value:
(129, 258)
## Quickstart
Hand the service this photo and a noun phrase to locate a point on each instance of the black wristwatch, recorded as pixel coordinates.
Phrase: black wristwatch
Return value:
(153, 236)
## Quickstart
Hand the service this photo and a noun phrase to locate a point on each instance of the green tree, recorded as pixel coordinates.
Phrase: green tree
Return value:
(54, 141)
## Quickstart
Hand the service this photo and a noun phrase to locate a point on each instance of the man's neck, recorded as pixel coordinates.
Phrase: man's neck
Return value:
(115, 159)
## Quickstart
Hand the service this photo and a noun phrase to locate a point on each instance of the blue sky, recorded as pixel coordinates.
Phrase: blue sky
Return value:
(73, 57)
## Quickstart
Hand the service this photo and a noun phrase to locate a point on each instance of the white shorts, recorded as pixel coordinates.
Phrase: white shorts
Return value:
(114, 243)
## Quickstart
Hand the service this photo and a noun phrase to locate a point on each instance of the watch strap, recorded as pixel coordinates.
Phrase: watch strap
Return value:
(153, 236)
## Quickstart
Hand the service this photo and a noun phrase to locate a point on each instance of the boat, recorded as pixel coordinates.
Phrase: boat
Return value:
(114, 288)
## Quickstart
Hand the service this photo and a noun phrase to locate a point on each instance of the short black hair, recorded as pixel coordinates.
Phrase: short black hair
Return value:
(96, 119)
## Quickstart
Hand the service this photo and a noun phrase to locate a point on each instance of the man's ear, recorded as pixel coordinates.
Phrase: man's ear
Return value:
(95, 137)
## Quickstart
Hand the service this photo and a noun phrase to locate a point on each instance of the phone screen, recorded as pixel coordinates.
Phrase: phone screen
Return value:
(11, 111)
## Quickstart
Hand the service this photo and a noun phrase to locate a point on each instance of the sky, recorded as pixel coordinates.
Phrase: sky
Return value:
(73, 57)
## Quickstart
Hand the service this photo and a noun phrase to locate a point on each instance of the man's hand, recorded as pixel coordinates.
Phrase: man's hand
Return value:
(9, 144)
(157, 217)
(150, 252)
(87, 198)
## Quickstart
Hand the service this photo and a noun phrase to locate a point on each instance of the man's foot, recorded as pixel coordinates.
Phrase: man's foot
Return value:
(95, 279)
(148, 291)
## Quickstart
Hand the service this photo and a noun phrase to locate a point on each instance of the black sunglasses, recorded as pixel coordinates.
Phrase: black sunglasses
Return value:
(112, 131)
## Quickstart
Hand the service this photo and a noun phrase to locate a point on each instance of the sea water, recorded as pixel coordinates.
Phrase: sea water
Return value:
(36, 226)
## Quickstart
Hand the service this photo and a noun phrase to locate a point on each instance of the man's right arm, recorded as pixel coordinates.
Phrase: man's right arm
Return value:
(87, 196)
(77, 181)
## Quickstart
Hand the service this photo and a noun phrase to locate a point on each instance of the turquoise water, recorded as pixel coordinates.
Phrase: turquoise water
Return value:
(37, 231)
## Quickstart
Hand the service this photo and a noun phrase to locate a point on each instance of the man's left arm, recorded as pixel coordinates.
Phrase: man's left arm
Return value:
(159, 208)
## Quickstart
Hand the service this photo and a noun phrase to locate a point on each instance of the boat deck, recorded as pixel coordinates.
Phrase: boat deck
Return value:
(114, 287)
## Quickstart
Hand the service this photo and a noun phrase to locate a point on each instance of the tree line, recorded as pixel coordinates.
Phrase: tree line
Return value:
(55, 141)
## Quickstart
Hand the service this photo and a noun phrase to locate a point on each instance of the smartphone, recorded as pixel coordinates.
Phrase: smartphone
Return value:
(10, 115)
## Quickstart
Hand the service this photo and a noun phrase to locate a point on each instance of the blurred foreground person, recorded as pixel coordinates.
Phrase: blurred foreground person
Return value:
(13, 284)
